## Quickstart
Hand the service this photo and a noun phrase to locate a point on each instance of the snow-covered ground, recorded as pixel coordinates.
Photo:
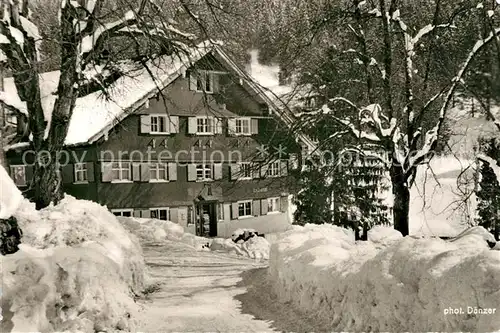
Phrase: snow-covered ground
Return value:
(152, 230)
(389, 283)
(77, 270)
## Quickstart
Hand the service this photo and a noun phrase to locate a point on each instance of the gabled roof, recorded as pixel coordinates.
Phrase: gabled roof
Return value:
(94, 115)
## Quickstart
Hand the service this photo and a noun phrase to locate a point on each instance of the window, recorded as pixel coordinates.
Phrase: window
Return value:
(242, 126)
(81, 173)
(158, 172)
(244, 208)
(18, 173)
(204, 125)
(160, 213)
(273, 205)
(158, 124)
(121, 171)
(204, 81)
(122, 212)
(203, 171)
(245, 170)
(274, 169)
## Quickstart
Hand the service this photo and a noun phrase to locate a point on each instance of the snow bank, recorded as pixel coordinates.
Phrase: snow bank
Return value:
(10, 196)
(389, 283)
(77, 270)
(255, 247)
(153, 230)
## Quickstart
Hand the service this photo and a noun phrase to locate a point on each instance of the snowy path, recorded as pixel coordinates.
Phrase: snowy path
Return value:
(197, 292)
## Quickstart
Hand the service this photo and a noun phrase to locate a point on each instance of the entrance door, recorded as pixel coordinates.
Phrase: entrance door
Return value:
(206, 219)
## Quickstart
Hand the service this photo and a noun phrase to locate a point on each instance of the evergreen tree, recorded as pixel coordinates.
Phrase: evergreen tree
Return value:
(488, 192)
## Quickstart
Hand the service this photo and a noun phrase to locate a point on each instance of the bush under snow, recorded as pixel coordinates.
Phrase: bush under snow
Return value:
(389, 283)
(77, 270)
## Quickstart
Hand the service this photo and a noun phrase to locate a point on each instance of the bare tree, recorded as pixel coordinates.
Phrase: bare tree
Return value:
(85, 29)
(400, 113)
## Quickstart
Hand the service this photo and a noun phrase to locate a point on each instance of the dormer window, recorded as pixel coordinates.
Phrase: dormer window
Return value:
(203, 81)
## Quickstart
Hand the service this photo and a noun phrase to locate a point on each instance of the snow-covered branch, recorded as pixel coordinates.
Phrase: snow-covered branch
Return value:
(492, 163)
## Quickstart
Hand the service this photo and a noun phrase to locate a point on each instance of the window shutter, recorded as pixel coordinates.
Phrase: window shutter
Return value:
(192, 80)
(90, 172)
(256, 207)
(145, 213)
(254, 126)
(215, 81)
(68, 175)
(218, 125)
(235, 171)
(217, 171)
(172, 171)
(283, 204)
(191, 172)
(136, 213)
(263, 206)
(145, 124)
(145, 172)
(174, 124)
(283, 168)
(255, 170)
(231, 126)
(263, 170)
(192, 128)
(174, 215)
(107, 172)
(28, 173)
(234, 210)
(136, 172)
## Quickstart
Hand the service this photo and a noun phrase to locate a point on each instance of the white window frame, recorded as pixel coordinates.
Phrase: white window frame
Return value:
(273, 208)
(245, 202)
(121, 169)
(81, 169)
(207, 171)
(208, 128)
(123, 210)
(158, 209)
(242, 175)
(155, 167)
(276, 170)
(239, 129)
(157, 118)
(201, 79)
(12, 172)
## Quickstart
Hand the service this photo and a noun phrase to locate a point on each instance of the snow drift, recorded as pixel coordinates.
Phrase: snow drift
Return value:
(77, 270)
(388, 283)
(153, 230)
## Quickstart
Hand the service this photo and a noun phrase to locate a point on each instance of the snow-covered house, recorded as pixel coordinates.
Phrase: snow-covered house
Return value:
(190, 154)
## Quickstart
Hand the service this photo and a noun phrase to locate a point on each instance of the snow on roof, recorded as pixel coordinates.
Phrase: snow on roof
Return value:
(95, 113)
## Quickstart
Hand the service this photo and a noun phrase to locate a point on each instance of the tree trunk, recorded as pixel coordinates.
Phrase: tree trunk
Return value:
(47, 184)
(401, 194)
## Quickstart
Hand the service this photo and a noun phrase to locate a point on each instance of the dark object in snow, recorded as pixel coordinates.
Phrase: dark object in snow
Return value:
(10, 237)
(246, 235)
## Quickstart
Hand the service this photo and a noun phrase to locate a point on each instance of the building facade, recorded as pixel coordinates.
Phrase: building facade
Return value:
(197, 154)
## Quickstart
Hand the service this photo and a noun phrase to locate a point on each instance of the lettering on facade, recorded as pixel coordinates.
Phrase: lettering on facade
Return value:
(260, 190)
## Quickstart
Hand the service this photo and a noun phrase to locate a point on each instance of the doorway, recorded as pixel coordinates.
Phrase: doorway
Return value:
(206, 219)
